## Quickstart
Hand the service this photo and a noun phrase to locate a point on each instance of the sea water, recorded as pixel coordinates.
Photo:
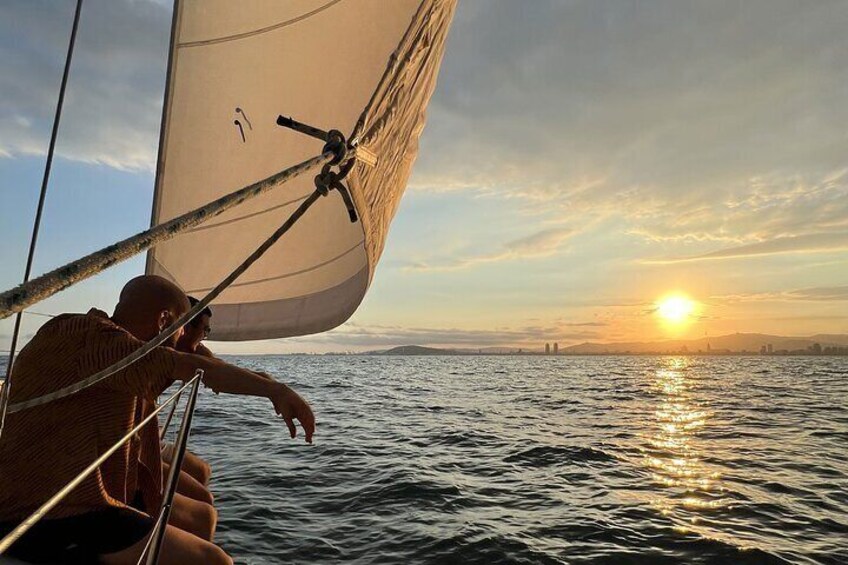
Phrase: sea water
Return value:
(504, 459)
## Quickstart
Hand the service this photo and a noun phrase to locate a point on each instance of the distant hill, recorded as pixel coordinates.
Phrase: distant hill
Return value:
(422, 350)
(416, 350)
(839, 339)
(733, 343)
(497, 350)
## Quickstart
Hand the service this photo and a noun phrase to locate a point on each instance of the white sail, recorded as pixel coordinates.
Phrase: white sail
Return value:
(364, 67)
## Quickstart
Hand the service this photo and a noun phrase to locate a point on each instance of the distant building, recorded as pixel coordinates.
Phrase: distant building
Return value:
(547, 349)
(763, 350)
(769, 349)
(556, 349)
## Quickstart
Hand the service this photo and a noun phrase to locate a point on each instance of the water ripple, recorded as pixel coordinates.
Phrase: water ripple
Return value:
(537, 460)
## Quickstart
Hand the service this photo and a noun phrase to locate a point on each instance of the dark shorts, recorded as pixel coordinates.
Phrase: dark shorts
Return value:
(79, 539)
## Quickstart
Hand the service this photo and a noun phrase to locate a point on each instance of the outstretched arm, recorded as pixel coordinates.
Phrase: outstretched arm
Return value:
(223, 377)
(205, 352)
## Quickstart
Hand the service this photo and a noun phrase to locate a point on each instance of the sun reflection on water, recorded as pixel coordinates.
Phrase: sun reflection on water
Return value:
(673, 454)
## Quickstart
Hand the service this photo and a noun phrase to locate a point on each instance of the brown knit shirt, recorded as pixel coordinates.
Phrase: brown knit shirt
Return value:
(43, 448)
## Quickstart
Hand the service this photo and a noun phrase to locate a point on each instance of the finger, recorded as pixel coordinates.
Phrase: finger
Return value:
(291, 426)
(308, 423)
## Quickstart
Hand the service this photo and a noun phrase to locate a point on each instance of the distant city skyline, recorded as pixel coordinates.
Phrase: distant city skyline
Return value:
(583, 163)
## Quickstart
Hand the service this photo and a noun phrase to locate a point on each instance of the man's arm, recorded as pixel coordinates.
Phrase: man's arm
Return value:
(205, 352)
(223, 377)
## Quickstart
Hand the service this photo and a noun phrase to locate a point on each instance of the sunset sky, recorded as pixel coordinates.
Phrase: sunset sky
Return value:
(582, 160)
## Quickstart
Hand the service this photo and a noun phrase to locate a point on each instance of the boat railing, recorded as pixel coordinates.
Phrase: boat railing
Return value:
(163, 431)
(150, 555)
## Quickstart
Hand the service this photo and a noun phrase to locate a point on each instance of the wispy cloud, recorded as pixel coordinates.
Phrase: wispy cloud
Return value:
(687, 123)
(812, 294)
(838, 293)
(115, 90)
(540, 244)
(816, 242)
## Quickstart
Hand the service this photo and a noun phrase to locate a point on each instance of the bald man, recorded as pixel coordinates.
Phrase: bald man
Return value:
(45, 447)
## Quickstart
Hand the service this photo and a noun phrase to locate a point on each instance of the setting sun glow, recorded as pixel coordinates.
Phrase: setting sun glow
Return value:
(675, 309)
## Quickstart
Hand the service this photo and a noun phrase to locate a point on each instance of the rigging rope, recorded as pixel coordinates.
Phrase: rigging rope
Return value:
(36, 226)
(27, 294)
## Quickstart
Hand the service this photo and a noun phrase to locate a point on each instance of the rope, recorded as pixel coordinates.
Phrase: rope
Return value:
(24, 295)
(36, 226)
(183, 320)
(22, 528)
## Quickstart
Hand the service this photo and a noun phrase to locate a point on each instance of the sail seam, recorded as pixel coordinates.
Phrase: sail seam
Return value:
(274, 27)
(248, 216)
(238, 333)
(292, 274)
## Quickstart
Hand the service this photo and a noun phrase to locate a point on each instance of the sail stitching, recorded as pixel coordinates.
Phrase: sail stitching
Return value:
(317, 266)
(246, 34)
(248, 216)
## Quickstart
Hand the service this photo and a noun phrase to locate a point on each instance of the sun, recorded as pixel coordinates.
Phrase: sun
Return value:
(676, 309)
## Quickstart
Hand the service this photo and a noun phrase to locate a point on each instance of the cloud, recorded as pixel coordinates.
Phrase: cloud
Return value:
(816, 242)
(114, 98)
(765, 207)
(813, 294)
(540, 244)
(713, 122)
(838, 293)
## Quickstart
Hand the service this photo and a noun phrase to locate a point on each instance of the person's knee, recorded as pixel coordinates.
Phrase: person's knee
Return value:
(206, 496)
(209, 519)
(194, 517)
(192, 488)
(204, 471)
(197, 467)
(213, 554)
(202, 520)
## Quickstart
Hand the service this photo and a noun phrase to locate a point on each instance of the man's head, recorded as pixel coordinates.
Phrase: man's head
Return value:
(196, 330)
(148, 304)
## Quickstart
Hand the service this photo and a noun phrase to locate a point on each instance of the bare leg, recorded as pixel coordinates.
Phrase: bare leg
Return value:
(193, 516)
(192, 464)
(178, 548)
(190, 487)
